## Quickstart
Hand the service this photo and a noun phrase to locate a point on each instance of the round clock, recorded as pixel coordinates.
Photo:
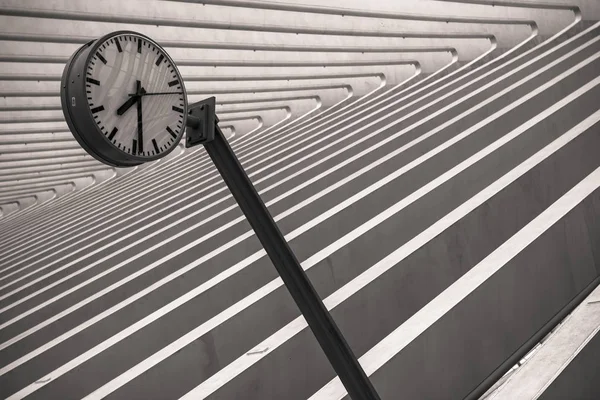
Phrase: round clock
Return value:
(124, 99)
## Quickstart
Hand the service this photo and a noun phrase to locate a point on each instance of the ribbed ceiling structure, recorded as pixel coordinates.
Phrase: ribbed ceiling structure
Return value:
(267, 63)
(433, 164)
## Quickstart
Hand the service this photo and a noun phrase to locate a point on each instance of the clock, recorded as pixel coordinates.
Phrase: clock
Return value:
(124, 99)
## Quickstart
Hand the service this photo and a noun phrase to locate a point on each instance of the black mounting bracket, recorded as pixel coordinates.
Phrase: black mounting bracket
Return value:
(202, 128)
(201, 122)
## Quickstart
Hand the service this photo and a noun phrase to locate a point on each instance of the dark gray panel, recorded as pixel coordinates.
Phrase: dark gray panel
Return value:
(380, 307)
(458, 352)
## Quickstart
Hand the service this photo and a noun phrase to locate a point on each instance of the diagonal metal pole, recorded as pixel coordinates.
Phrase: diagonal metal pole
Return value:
(319, 320)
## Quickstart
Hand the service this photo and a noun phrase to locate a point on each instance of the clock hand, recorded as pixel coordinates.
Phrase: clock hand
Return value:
(140, 90)
(154, 94)
(135, 97)
(128, 104)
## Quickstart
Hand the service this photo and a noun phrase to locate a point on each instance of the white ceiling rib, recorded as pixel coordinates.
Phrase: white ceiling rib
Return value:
(266, 62)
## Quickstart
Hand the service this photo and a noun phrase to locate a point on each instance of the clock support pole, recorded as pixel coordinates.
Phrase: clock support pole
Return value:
(202, 128)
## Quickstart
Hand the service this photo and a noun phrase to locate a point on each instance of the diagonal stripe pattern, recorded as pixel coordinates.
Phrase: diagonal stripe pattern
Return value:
(433, 165)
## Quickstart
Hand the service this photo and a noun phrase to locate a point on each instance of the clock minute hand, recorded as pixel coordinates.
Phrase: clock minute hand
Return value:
(154, 94)
(140, 131)
(140, 90)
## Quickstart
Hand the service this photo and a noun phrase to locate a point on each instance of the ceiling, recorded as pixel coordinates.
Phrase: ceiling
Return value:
(268, 63)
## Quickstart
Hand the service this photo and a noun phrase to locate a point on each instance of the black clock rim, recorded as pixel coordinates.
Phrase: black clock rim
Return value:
(130, 157)
(67, 112)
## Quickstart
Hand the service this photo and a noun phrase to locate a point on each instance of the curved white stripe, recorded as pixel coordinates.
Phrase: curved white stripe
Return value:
(306, 226)
(334, 389)
(431, 116)
(444, 302)
(265, 290)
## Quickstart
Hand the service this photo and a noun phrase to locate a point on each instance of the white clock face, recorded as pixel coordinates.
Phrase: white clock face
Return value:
(136, 96)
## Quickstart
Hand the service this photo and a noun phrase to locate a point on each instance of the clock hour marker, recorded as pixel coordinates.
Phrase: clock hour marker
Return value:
(97, 109)
(134, 147)
(171, 132)
(179, 110)
(159, 60)
(140, 46)
(92, 80)
(118, 45)
(155, 146)
(100, 57)
(173, 83)
(112, 134)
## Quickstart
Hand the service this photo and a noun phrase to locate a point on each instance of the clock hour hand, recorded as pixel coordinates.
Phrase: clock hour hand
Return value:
(127, 105)
(139, 90)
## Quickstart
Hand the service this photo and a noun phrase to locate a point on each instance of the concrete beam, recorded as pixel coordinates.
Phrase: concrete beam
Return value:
(9, 208)
(532, 379)
(4, 172)
(15, 185)
(16, 196)
(57, 161)
(45, 155)
(13, 178)
(50, 137)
